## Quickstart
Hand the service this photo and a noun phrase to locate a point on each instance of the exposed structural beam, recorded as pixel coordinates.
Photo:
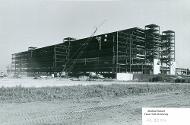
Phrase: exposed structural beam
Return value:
(117, 58)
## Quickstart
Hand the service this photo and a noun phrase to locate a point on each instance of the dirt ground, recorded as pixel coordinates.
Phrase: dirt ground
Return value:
(93, 111)
(30, 82)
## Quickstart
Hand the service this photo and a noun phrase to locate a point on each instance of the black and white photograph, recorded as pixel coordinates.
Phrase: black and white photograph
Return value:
(94, 62)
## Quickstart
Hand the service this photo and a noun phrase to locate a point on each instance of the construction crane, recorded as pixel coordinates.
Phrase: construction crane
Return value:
(70, 64)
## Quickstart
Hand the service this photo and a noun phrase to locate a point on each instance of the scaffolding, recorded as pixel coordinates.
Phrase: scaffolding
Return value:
(153, 42)
(167, 50)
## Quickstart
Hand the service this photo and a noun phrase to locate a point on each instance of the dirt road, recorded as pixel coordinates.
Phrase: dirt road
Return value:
(92, 111)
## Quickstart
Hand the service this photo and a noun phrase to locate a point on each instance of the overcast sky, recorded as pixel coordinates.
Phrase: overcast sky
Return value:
(39, 23)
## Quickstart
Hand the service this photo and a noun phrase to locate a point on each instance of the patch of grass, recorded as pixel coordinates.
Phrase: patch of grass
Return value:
(21, 94)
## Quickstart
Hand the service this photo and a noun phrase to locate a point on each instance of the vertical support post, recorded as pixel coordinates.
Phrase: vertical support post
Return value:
(117, 58)
(55, 57)
(113, 59)
(68, 50)
(31, 62)
(130, 53)
(174, 46)
(67, 57)
(14, 60)
(20, 64)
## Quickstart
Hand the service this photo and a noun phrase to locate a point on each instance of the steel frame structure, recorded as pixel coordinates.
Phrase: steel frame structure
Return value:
(168, 50)
(131, 50)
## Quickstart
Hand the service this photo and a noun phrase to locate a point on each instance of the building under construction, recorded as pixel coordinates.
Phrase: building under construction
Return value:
(134, 50)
